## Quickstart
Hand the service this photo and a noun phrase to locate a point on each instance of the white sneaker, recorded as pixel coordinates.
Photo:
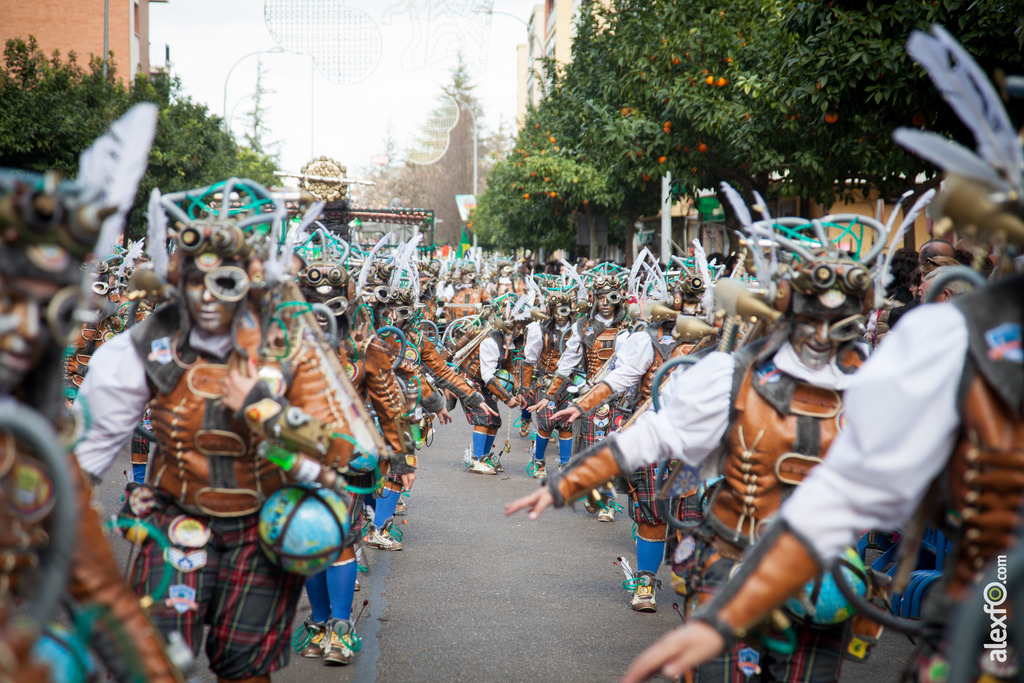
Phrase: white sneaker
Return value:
(606, 515)
(337, 650)
(481, 467)
(381, 539)
(643, 596)
(541, 470)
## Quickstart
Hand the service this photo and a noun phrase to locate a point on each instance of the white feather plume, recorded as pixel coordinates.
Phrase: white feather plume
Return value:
(762, 207)
(633, 282)
(883, 276)
(364, 272)
(570, 272)
(969, 92)
(156, 234)
(707, 300)
(131, 255)
(949, 156)
(114, 164)
(739, 207)
(405, 265)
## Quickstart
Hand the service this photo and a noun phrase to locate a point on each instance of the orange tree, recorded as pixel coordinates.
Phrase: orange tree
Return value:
(787, 97)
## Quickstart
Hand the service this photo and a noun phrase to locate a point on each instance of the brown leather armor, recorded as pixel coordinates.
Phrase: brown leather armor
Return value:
(771, 448)
(597, 349)
(205, 458)
(381, 386)
(467, 301)
(430, 358)
(986, 481)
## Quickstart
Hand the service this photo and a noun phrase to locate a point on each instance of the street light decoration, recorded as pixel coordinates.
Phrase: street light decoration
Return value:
(345, 43)
(325, 179)
(436, 137)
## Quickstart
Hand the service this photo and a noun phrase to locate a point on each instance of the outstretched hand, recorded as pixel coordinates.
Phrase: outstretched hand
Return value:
(676, 653)
(489, 410)
(568, 414)
(539, 405)
(237, 383)
(536, 502)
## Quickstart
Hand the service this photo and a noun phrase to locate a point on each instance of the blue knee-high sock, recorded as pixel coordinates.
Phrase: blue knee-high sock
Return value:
(139, 473)
(341, 586)
(525, 415)
(540, 445)
(564, 450)
(479, 445)
(385, 507)
(648, 555)
(319, 597)
(489, 443)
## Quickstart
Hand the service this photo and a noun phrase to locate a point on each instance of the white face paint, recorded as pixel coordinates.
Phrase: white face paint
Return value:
(812, 342)
(23, 333)
(209, 313)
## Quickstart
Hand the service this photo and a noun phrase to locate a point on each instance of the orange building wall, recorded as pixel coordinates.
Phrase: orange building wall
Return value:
(76, 25)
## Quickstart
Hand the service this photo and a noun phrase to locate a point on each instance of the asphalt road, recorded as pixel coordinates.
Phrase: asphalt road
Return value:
(476, 596)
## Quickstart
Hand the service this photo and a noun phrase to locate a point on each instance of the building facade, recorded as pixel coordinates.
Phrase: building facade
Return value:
(80, 26)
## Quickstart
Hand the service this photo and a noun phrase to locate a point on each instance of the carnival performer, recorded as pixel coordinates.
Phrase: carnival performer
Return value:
(52, 534)
(669, 334)
(955, 370)
(327, 285)
(770, 411)
(485, 360)
(466, 296)
(591, 345)
(541, 352)
(234, 358)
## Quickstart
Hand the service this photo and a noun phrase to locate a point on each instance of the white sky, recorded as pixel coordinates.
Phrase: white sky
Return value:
(418, 39)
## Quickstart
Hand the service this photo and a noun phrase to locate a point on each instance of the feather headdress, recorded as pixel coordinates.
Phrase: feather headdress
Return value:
(364, 272)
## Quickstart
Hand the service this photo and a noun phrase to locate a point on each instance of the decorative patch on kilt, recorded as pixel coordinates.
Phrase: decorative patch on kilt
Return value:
(748, 660)
(182, 598)
(1004, 343)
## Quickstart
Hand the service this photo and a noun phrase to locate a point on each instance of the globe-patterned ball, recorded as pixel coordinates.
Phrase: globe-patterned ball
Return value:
(303, 529)
(832, 607)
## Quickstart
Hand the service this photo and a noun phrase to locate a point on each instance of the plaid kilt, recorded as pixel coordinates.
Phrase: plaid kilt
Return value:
(542, 418)
(595, 426)
(478, 418)
(699, 572)
(248, 601)
(642, 490)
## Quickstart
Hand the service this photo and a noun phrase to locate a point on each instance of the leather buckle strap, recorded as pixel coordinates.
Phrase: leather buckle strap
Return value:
(219, 502)
(219, 442)
(817, 402)
(204, 379)
(793, 468)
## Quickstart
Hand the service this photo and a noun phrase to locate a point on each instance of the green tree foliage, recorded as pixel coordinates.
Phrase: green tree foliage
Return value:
(52, 108)
(785, 97)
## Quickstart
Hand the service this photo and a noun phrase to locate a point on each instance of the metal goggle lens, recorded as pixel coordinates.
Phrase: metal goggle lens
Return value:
(847, 329)
(612, 297)
(338, 305)
(563, 311)
(227, 283)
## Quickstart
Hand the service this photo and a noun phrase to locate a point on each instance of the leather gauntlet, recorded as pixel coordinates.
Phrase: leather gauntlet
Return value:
(595, 397)
(555, 386)
(528, 369)
(496, 388)
(475, 400)
(591, 468)
(780, 565)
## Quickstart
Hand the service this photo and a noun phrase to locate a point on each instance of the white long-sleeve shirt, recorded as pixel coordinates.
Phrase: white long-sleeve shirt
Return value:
(633, 358)
(489, 353)
(695, 408)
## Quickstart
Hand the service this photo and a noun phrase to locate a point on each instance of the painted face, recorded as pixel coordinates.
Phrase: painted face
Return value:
(210, 314)
(467, 278)
(812, 342)
(562, 313)
(24, 335)
(607, 303)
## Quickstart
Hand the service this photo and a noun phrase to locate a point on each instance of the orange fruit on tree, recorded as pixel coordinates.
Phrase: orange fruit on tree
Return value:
(710, 80)
(675, 60)
(918, 120)
(526, 195)
(645, 177)
(552, 195)
(662, 159)
(721, 82)
(702, 148)
(831, 117)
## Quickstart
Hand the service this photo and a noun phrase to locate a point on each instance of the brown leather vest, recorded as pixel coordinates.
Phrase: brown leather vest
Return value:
(598, 344)
(205, 458)
(466, 301)
(985, 476)
(550, 353)
(471, 365)
(662, 353)
(777, 436)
